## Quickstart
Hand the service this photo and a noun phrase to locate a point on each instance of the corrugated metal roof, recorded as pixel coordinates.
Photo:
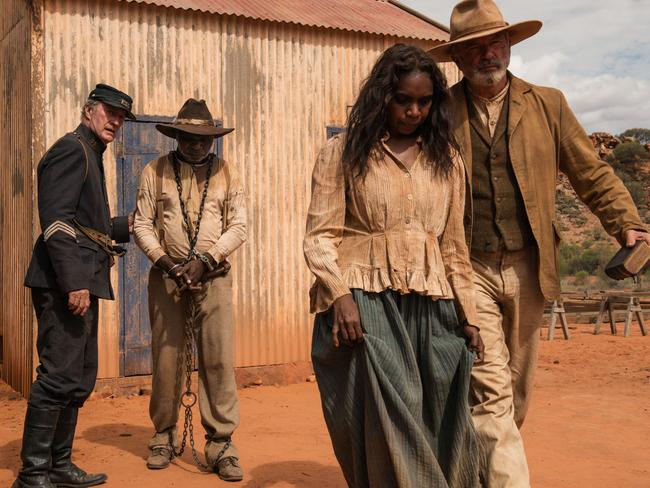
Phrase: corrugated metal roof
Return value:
(372, 16)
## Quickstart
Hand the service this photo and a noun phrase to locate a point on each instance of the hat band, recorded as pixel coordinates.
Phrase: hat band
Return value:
(194, 122)
(478, 28)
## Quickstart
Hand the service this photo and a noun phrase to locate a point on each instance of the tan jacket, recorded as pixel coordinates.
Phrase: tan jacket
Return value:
(544, 138)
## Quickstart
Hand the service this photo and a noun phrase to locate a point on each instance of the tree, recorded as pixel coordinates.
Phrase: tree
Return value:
(630, 152)
(641, 135)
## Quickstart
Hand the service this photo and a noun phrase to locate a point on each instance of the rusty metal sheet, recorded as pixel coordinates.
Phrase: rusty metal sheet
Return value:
(370, 16)
(15, 195)
(279, 84)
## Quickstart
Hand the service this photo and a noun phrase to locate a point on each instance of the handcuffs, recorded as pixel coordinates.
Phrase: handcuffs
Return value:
(205, 260)
(222, 267)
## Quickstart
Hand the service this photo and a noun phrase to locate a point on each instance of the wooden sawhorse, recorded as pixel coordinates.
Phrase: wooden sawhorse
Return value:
(557, 310)
(633, 309)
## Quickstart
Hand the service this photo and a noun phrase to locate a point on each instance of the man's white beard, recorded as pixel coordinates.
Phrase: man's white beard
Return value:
(478, 78)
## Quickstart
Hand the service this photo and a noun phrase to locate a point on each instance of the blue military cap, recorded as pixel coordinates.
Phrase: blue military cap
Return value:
(113, 97)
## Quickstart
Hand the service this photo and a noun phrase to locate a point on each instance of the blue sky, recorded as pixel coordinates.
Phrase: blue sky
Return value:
(596, 51)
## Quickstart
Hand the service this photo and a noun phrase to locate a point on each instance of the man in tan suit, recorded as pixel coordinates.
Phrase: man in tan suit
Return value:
(514, 137)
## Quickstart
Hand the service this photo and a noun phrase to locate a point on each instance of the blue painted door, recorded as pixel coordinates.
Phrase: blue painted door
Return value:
(138, 143)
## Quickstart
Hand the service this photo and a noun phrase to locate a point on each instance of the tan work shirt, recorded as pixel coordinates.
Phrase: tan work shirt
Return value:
(210, 239)
(489, 109)
(396, 228)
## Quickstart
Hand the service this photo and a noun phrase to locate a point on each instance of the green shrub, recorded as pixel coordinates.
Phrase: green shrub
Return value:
(641, 135)
(579, 219)
(598, 234)
(588, 261)
(630, 152)
(581, 277)
(589, 257)
(637, 192)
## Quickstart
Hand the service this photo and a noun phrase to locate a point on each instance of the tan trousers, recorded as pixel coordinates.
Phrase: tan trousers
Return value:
(217, 396)
(510, 308)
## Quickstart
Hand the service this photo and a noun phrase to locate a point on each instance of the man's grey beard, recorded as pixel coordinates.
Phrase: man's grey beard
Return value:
(477, 78)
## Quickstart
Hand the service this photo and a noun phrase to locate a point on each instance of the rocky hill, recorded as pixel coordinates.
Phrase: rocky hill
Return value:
(576, 222)
(586, 248)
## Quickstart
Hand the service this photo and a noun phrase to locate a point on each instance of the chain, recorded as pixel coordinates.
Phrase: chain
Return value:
(188, 397)
(192, 237)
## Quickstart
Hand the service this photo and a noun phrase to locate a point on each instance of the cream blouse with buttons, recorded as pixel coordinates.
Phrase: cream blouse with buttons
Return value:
(394, 228)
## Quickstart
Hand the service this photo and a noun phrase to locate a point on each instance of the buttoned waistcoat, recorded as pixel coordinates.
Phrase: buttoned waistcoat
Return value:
(544, 137)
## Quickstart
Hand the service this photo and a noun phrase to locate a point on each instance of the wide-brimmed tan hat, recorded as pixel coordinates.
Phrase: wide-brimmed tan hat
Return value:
(193, 118)
(471, 19)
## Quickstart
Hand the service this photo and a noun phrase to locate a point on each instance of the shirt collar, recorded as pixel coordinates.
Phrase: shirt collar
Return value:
(91, 138)
(495, 99)
(385, 138)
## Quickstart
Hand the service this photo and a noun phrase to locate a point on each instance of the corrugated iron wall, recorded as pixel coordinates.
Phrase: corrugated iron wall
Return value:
(279, 84)
(15, 193)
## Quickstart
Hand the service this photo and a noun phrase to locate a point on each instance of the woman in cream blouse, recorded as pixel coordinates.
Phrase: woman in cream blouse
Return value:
(395, 333)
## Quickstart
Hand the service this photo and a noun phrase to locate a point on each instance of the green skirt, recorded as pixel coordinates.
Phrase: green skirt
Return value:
(396, 405)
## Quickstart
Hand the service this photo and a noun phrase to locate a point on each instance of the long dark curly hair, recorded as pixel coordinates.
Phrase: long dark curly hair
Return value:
(368, 119)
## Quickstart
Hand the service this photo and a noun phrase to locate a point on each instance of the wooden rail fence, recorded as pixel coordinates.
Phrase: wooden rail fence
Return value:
(593, 307)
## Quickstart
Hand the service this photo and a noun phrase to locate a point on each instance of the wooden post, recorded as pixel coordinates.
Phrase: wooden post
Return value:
(601, 314)
(639, 317)
(612, 322)
(634, 308)
(628, 318)
(551, 327)
(558, 310)
(563, 321)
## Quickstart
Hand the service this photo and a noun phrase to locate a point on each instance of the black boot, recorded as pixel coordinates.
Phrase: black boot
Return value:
(64, 473)
(36, 453)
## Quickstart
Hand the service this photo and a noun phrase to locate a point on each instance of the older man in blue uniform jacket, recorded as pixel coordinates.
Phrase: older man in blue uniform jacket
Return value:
(68, 274)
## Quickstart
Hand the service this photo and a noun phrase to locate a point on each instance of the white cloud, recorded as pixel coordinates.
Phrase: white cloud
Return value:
(543, 71)
(603, 102)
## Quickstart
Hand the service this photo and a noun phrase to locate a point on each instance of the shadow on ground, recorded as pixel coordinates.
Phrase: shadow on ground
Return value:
(10, 456)
(300, 474)
(125, 437)
(134, 439)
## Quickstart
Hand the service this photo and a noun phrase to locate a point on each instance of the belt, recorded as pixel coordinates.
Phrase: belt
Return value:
(102, 240)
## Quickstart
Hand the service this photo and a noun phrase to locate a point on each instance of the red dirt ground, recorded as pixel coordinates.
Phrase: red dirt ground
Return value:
(589, 426)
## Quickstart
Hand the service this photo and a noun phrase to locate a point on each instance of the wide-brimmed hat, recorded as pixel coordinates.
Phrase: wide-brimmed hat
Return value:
(113, 97)
(471, 19)
(193, 118)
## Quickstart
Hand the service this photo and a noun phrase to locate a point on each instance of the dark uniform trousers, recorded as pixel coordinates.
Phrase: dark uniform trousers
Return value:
(67, 350)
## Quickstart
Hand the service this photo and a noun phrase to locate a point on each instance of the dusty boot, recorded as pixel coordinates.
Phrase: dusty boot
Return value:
(36, 453)
(161, 448)
(159, 458)
(64, 472)
(222, 455)
(228, 469)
